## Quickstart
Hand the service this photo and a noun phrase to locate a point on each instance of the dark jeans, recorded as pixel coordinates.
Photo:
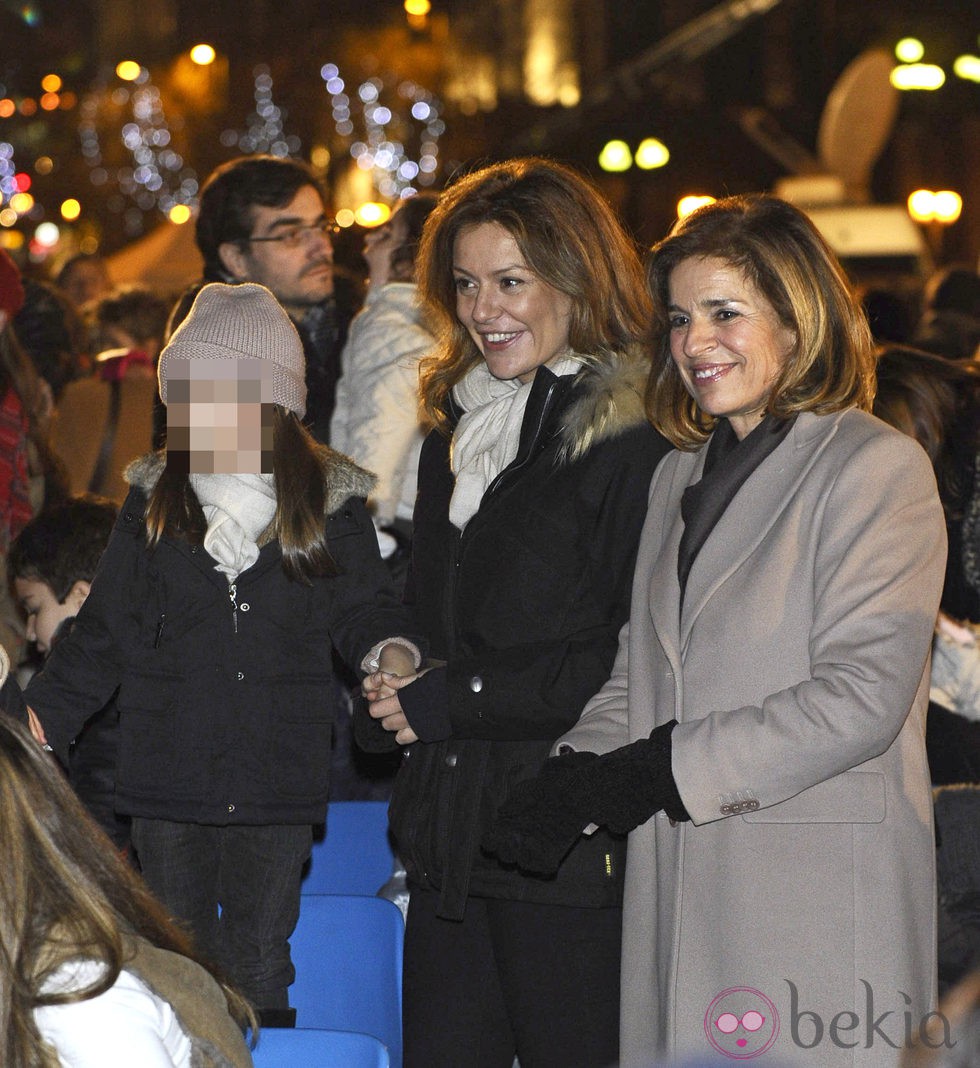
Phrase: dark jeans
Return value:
(252, 873)
(541, 981)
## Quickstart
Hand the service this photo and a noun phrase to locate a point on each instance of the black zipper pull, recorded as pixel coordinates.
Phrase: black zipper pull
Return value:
(160, 625)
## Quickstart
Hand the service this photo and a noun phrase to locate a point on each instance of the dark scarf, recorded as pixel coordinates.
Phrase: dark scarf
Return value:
(727, 465)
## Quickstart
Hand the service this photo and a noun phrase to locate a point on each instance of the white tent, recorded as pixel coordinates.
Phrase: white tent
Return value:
(166, 259)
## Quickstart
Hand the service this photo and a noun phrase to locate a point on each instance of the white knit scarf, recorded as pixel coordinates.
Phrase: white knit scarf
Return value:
(489, 432)
(238, 508)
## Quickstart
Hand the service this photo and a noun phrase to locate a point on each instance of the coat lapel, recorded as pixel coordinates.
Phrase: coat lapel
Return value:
(751, 515)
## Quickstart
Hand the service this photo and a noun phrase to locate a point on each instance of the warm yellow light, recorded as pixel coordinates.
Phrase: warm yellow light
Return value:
(128, 70)
(320, 157)
(615, 156)
(372, 214)
(22, 203)
(947, 206)
(967, 68)
(8, 217)
(921, 205)
(44, 165)
(179, 214)
(7, 108)
(651, 153)
(909, 50)
(70, 209)
(51, 83)
(917, 76)
(417, 7)
(50, 101)
(202, 54)
(691, 203)
(344, 218)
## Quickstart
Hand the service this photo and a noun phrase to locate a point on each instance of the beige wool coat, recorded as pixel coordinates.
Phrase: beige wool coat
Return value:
(797, 669)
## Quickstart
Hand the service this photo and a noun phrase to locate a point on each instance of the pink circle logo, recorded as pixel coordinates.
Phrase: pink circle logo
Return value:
(741, 1023)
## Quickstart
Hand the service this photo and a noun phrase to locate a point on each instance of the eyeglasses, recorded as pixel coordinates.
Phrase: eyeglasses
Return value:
(294, 236)
(728, 1021)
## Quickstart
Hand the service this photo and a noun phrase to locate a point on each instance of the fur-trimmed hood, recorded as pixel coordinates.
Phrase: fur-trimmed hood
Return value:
(342, 477)
(609, 402)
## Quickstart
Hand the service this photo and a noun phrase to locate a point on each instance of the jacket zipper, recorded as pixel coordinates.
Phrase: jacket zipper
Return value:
(233, 594)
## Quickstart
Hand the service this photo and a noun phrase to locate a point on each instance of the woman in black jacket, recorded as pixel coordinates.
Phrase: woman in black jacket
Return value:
(532, 490)
(242, 557)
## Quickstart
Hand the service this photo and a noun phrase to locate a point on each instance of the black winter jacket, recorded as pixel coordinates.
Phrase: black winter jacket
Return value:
(224, 705)
(526, 607)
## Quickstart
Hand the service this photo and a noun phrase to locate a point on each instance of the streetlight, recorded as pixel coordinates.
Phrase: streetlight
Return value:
(935, 211)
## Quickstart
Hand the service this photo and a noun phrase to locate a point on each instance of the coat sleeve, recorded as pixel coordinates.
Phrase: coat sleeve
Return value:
(538, 690)
(377, 409)
(85, 668)
(877, 573)
(363, 605)
(604, 723)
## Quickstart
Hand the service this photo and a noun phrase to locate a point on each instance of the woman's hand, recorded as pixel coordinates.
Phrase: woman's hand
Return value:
(381, 691)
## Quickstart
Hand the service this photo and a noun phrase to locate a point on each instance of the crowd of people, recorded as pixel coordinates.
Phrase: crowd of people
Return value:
(644, 583)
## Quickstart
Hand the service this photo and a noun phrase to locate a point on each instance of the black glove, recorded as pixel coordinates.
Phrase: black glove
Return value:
(542, 818)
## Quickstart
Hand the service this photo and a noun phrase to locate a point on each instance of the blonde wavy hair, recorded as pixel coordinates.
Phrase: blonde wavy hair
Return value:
(782, 253)
(65, 893)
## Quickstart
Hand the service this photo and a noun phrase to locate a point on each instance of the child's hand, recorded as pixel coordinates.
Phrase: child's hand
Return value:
(395, 659)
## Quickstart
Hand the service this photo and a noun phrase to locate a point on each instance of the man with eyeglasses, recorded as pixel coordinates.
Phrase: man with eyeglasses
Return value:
(263, 219)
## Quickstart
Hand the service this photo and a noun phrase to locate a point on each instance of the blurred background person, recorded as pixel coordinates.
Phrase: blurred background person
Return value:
(93, 973)
(30, 477)
(52, 563)
(532, 487)
(84, 279)
(937, 402)
(950, 322)
(104, 420)
(376, 420)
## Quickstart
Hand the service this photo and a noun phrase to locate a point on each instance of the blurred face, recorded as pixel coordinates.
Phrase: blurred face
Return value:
(220, 413)
(516, 319)
(289, 252)
(379, 244)
(43, 612)
(86, 281)
(726, 340)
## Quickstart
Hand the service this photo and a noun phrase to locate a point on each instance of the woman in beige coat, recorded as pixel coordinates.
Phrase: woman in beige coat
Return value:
(763, 725)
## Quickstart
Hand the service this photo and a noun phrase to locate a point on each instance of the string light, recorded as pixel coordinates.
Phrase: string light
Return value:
(158, 178)
(391, 130)
(265, 130)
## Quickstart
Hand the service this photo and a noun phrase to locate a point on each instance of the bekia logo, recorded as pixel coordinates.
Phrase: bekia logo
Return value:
(741, 1023)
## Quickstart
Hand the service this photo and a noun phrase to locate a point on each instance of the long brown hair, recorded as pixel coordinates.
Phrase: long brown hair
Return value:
(301, 498)
(783, 254)
(65, 893)
(568, 235)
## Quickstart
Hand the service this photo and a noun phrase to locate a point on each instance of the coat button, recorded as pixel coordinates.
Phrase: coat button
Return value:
(231, 808)
(245, 606)
(241, 675)
(752, 805)
(451, 760)
(726, 810)
(476, 684)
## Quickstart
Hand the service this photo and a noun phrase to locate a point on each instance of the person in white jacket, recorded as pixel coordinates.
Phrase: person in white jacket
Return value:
(375, 420)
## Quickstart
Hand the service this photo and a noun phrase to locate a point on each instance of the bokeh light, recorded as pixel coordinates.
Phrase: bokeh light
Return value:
(202, 54)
